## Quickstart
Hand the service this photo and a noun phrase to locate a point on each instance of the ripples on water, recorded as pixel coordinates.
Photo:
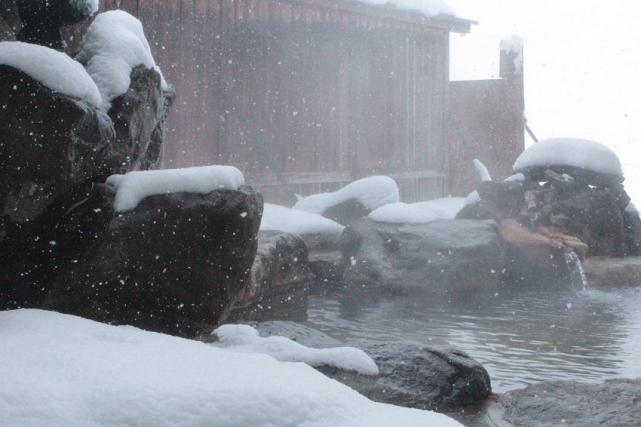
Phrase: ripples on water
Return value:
(520, 337)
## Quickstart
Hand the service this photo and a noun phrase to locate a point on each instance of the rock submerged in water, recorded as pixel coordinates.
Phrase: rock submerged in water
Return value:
(444, 254)
(569, 403)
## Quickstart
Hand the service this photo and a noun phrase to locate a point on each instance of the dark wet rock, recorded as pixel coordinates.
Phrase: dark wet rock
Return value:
(444, 254)
(569, 403)
(50, 143)
(442, 379)
(504, 197)
(9, 20)
(138, 118)
(346, 212)
(42, 20)
(613, 272)
(325, 258)
(632, 232)
(176, 264)
(279, 280)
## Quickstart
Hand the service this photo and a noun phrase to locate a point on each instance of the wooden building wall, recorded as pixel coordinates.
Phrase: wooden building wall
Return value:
(302, 92)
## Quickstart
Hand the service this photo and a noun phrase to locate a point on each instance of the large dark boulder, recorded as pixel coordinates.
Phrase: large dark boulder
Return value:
(279, 280)
(175, 264)
(444, 254)
(325, 258)
(441, 379)
(41, 21)
(49, 143)
(569, 403)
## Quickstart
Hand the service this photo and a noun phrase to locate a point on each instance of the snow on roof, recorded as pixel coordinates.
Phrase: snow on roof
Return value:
(133, 187)
(63, 370)
(115, 43)
(245, 339)
(426, 7)
(294, 221)
(54, 69)
(574, 152)
(372, 192)
(86, 7)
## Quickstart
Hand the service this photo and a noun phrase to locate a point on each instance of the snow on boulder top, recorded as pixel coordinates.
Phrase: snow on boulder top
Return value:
(61, 370)
(54, 69)
(294, 221)
(245, 339)
(447, 207)
(426, 7)
(135, 186)
(115, 43)
(371, 192)
(86, 7)
(577, 153)
(403, 213)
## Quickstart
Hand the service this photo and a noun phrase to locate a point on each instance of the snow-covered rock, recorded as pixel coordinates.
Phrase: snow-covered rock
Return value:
(404, 213)
(482, 172)
(60, 370)
(115, 43)
(245, 339)
(418, 213)
(54, 69)
(370, 193)
(573, 152)
(135, 186)
(85, 7)
(294, 221)
(426, 7)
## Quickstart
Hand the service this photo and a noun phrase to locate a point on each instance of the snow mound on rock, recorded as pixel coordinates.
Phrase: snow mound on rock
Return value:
(371, 192)
(53, 69)
(574, 152)
(60, 370)
(418, 213)
(245, 339)
(294, 221)
(133, 187)
(115, 43)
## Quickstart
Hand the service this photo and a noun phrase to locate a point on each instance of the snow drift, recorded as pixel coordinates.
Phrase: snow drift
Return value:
(60, 370)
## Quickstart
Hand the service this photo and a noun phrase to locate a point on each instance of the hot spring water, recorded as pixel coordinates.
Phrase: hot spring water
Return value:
(521, 337)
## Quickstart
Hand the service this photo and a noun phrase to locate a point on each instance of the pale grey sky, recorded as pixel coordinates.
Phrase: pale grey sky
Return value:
(582, 67)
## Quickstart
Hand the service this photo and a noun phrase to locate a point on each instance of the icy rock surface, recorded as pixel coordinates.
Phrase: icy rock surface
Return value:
(135, 186)
(114, 45)
(53, 69)
(62, 370)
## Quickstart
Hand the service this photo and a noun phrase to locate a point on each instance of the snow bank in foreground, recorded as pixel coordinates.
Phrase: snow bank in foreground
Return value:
(280, 218)
(245, 339)
(135, 186)
(578, 153)
(371, 192)
(115, 43)
(53, 69)
(60, 370)
(426, 7)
